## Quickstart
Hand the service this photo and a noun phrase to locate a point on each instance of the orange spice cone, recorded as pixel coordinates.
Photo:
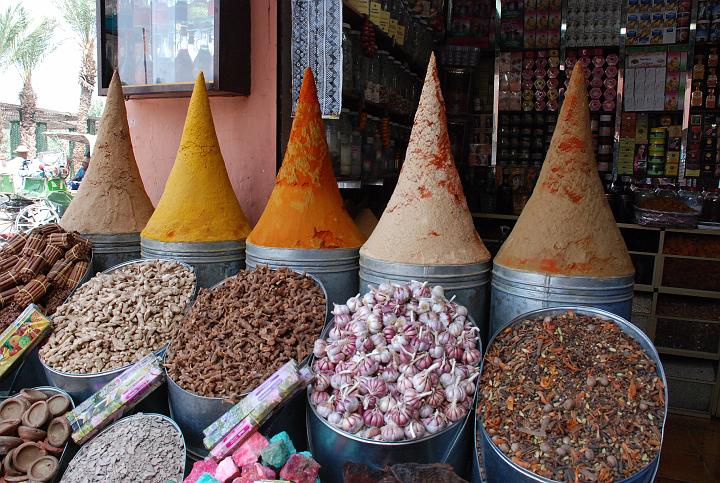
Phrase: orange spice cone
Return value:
(427, 221)
(198, 204)
(112, 197)
(305, 209)
(567, 227)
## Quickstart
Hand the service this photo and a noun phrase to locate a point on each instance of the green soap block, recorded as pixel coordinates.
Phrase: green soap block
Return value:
(283, 436)
(275, 454)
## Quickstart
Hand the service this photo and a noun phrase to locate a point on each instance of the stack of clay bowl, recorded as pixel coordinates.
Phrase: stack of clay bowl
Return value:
(33, 433)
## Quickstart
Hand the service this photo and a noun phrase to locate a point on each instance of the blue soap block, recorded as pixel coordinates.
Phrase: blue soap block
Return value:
(275, 454)
(206, 478)
(283, 436)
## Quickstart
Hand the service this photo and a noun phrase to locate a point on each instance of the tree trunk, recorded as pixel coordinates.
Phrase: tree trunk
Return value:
(86, 79)
(28, 108)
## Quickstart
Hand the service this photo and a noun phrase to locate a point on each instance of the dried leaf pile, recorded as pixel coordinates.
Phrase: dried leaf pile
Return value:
(242, 331)
(572, 398)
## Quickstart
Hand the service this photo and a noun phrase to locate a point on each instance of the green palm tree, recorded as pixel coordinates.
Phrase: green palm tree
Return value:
(31, 48)
(13, 21)
(80, 17)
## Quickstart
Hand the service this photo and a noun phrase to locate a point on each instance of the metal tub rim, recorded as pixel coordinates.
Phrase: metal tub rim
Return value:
(190, 249)
(309, 254)
(439, 271)
(559, 281)
(138, 416)
(629, 328)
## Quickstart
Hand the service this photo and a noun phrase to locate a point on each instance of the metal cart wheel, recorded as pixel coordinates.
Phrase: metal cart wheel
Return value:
(35, 215)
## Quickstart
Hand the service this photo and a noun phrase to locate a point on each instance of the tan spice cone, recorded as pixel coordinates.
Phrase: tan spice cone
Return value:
(427, 221)
(198, 203)
(567, 227)
(112, 197)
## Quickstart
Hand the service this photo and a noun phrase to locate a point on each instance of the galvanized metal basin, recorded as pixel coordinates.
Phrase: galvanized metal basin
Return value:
(213, 261)
(499, 468)
(111, 250)
(516, 292)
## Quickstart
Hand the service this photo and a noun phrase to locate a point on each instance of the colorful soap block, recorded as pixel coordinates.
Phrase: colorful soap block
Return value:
(206, 478)
(283, 436)
(200, 467)
(227, 470)
(300, 469)
(275, 454)
(254, 472)
(249, 451)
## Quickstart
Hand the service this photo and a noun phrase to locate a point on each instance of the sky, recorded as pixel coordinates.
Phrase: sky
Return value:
(55, 80)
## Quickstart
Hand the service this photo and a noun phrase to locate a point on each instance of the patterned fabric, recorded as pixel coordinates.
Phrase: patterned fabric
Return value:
(317, 43)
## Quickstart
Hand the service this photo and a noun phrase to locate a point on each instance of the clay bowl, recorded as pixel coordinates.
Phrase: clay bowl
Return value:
(8, 427)
(43, 469)
(25, 455)
(58, 432)
(58, 404)
(36, 415)
(9, 443)
(33, 395)
(31, 434)
(13, 408)
(8, 467)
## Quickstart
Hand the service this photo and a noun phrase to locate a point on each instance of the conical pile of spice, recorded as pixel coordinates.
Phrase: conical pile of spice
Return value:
(111, 198)
(567, 227)
(572, 397)
(305, 209)
(427, 221)
(198, 204)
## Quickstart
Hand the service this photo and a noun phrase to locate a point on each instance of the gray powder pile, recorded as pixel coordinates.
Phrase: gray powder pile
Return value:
(138, 449)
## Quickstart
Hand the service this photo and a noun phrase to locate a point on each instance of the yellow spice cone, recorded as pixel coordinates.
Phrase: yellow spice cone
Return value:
(305, 209)
(427, 221)
(567, 227)
(111, 198)
(198, 204)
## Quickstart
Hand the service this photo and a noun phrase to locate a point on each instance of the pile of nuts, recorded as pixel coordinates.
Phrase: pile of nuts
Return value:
(398, 364)
(115, 319)
(145, 447)
(243, 330)
(33, 433)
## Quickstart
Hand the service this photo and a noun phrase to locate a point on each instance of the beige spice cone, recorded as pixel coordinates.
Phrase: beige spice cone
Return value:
(111, 198)
(567, 227)
(427, 221)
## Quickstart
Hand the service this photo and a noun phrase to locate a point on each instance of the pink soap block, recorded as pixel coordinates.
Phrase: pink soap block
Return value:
(226, 470)
(249, 452)
(200, 467)
(254, 472)
(300, 469)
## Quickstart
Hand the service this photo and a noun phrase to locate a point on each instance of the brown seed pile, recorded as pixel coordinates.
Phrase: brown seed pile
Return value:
(240, 332)
(572, 398)
(117, 318)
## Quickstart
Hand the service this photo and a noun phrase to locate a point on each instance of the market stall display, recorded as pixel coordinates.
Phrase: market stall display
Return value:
(144, 447)
(571, 395)
(565, 247)
(426, 231)
(33, 434)
(198, 218)
(305, 225)
(113, 320)
(42, 267)
(394, 378)
(111, 206)
(253, 323)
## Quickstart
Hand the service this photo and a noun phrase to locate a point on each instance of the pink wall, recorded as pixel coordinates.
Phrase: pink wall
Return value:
(246, 126)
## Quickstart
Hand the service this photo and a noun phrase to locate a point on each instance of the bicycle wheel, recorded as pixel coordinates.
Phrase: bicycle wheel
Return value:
(35, 215)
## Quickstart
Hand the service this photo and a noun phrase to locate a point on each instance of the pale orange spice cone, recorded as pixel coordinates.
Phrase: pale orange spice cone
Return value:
(427, 221)
(567, 227)
(305, 209)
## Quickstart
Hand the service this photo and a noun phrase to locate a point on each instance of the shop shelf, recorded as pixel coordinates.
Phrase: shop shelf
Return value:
(692, 245)
(643, 288)
(693, 396)
(689, 292)
(698, 370)
(688, 335)
(687, 354)
(643, 322)
(646, 241)
(694, 274)
(644, 268)
(697, 308)
(642, 303)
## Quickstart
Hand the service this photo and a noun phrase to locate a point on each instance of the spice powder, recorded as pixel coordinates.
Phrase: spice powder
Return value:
(198, 204)
(305, 209)
(567, 227)
(111, 198)
(427, 221)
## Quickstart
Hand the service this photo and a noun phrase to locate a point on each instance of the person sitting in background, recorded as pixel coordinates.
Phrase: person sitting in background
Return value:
(75, 183)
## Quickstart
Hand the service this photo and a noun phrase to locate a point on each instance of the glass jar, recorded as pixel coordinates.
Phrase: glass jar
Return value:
(358, 59)
(368, 146)
(356, 143)
(347, 52)
(383, 82)
(372, 78)
(711, 206)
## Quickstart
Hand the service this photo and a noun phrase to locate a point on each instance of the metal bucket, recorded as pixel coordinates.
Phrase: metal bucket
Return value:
(213, 261)
(82, 386)
(515, 292)
(139, 415)
(111, 250)
(193, 412)
(501, 469)
(468, 283)
(336, 268)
